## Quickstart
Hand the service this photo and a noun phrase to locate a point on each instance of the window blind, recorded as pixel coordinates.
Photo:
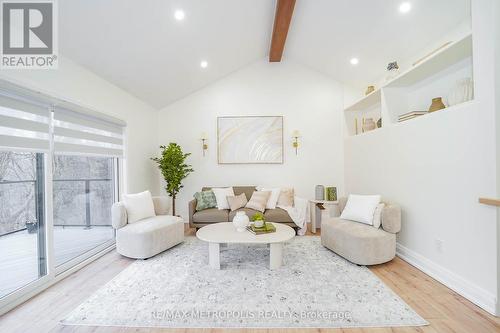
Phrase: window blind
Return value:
(76, 132)
(24, 123)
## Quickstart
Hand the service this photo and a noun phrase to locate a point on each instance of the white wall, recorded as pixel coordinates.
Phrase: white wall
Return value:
(437, 167)
(309, 102)
(80, 86)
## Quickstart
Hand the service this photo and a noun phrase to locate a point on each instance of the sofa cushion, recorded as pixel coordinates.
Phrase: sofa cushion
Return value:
(237, 201)
(211, 215)
(139, 206)
(205, 200)
(360, 208)
(221, 195)
(258, 200)
(248, 190)
(357, 242)
(248, 211)
(354, 229)
(286, 197)
(277, 215)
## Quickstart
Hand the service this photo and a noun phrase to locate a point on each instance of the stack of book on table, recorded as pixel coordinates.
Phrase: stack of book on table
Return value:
(411, 115)
(265, 229)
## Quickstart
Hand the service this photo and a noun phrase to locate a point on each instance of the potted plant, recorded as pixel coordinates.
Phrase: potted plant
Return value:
(174, 169)
(32, 226)
(259, 220)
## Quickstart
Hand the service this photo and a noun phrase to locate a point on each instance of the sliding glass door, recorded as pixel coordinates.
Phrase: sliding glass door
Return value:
(59, 166)
(83, 192)
(22, 220)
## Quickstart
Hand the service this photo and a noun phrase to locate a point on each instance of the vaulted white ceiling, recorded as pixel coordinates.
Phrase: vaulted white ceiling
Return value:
(142, 48)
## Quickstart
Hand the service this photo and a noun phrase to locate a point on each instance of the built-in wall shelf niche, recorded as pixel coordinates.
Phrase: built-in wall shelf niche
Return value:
(370, 106)
(439, 75)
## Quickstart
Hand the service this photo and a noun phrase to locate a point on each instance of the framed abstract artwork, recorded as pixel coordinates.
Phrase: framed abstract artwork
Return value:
(250, 140)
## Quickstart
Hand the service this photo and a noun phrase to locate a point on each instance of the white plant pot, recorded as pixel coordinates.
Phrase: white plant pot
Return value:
(258, 223)
(241, 221)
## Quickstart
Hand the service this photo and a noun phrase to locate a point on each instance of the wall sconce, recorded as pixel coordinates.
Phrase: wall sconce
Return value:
(295, 144)
(204, 139)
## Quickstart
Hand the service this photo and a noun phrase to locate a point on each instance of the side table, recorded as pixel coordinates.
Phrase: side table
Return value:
(328, 205)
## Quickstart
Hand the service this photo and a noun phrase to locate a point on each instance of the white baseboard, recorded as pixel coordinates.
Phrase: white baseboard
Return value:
(473, 293)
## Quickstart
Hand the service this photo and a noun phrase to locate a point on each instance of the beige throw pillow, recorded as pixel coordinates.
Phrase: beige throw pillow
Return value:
(237, 202)
(258, 200)
(286, 198)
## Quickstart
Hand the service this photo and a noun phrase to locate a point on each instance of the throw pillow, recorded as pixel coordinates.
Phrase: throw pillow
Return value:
(139, 206)
(286, 197)
(205, 200)
(221, 195)
(258, 201)
(377, 216)
(237, 202)
(360, 208)
(273, 198)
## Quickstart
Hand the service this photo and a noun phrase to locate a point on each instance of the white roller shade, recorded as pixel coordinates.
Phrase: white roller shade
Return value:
(23, 123)
(76, 132)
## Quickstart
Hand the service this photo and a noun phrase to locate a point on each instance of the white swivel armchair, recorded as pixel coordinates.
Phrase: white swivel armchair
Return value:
(150, 236)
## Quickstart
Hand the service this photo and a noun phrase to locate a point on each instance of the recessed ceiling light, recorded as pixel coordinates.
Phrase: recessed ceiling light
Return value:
(354, 61)
(405, 7)
(179, 15)
(203, 64)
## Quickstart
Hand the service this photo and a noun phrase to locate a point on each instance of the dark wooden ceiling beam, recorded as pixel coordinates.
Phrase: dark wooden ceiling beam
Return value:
(282, 19)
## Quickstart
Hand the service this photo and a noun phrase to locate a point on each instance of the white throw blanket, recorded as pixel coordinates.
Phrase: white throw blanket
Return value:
(298, 213)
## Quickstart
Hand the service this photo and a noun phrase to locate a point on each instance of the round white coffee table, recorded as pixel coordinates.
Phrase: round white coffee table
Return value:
(223, 233)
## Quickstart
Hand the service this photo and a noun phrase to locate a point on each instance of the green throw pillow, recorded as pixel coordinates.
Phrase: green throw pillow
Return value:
(205, 199)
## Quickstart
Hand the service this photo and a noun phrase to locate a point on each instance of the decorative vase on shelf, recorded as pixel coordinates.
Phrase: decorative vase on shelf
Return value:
(241, 221)
(463, 91)
(437, 104)
(392, 70)
(369, 125)
(369, 90)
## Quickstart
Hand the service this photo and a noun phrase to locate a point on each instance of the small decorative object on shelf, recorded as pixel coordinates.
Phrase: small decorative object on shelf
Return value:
(437, 104)
(462, 92)
(369, 125)
(392, 70)
(331, 193)
(379, 123)
(369, 90)
(241, 221)
(258, 220)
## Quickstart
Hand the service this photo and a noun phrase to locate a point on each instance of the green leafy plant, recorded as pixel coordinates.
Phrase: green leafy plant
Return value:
(174, 169)
(258, 217)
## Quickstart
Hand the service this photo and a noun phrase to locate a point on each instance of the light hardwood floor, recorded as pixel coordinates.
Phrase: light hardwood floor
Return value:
(444, 309)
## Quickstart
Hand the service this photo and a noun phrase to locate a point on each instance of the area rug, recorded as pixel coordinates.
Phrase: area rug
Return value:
(177, 289)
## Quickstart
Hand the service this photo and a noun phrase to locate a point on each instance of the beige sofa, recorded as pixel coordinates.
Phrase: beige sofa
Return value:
(214, 215)
(148, 237)
(360, 243)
